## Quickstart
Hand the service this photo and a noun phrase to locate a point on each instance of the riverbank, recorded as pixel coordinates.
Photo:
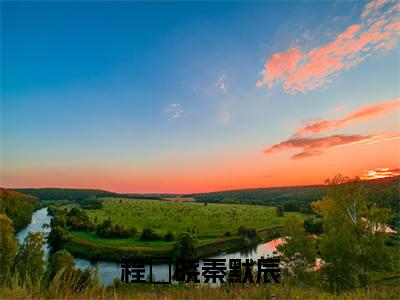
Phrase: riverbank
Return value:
(218, 228)
(94, 251)
(110, 269)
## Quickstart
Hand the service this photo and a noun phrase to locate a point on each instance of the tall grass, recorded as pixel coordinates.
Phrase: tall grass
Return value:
(62, 287)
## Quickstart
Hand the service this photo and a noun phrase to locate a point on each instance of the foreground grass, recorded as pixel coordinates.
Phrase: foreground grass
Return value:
(203, 292)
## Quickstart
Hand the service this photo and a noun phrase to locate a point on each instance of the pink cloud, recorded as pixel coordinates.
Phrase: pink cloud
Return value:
(380, 173)
(311, 146)
(339, 108)
(300, 71)
(360, 114)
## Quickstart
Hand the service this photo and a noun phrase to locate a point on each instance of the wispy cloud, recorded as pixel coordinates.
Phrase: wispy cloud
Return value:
(311, 146)
(174, 110)
(339, 108)
(221, 85)
(362, 113)
(226, 117)
(298, 70)
(380, 173)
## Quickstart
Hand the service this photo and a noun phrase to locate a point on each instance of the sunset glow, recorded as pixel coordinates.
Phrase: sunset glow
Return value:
(189, 97)
(380, 173)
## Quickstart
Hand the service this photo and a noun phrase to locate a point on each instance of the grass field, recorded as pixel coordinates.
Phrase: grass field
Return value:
(209, 222)
(134, 240)
(205, 220)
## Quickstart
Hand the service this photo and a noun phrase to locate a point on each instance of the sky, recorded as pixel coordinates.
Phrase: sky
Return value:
(187, 97)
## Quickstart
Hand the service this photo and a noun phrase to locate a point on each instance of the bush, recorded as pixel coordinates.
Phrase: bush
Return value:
(57, 236)
(185, 246)
(54, 210)
(91, 203)
(228, 233)
(247, 232)
(149, 234)
(313, 226)
(8, 247)
(169, 236)
(62, 274)
(280, 210)
(109, 230)
(29, 261)
(79, 220)
(59, 220)
(60, 261)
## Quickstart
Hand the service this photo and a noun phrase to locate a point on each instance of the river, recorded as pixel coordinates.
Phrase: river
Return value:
(108, 271)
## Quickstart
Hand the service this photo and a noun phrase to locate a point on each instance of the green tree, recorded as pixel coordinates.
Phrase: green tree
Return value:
(60, 261)
(57, 236)
(185, 246)
(169, 236)
(18, 207)
(299, 250)
(313, 225)
(353, 242)
(29, 262)
(8, 246)
(148, 234)
(280, 211)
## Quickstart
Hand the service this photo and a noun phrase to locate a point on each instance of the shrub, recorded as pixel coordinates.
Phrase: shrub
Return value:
(29, 261)
(57, 236)
(91, 203)
(79, 220)
(169, 236)
(59, 220)
(149, 234)
(280, 210)
(109, 230)
(313, 226)
(247, 232)
(185, 246)
(8, 246)
(58, 261)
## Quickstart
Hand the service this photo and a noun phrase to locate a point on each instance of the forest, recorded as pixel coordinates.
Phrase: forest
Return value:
(57, 194)
(17, 206)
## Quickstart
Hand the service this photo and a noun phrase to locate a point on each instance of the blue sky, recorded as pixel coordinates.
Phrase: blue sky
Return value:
(129, 88)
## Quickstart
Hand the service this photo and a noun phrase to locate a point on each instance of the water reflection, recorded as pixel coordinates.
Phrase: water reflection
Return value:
(39, 219)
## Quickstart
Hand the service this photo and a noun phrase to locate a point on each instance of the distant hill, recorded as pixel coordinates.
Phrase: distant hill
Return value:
(384, 191)
(76, 195)
(270, 196)
(17, 206)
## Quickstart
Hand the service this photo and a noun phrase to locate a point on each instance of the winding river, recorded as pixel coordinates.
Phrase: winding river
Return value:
(108, 271)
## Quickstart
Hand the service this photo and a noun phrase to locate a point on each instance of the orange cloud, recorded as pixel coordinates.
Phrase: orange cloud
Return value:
(360, 114)
(312, 146)
(299, 71)
(380, 173)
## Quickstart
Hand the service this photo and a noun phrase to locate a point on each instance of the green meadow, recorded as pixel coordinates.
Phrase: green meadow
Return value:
(205, 220)
(215, 225)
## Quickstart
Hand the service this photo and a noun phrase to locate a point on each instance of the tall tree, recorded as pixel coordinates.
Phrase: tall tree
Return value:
(8, 246)
(298, 249)
(185, 245)
(29, 262)
(60, 261)
(353, 242)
